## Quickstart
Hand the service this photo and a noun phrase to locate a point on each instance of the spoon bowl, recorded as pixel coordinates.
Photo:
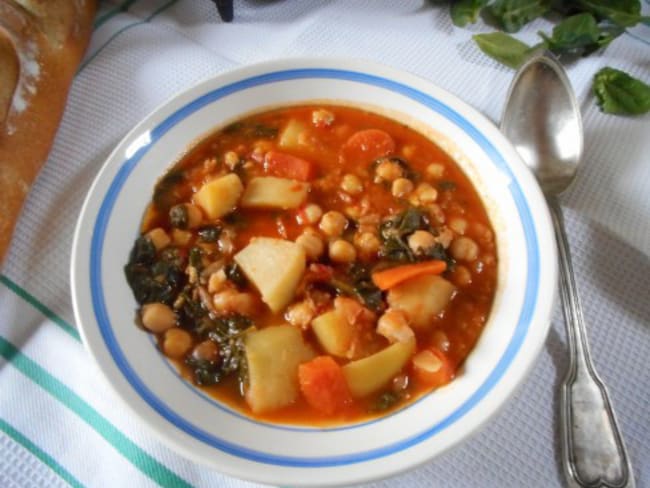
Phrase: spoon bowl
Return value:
(542, 120)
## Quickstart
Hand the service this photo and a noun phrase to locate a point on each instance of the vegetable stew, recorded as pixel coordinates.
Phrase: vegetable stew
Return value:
(315, 265)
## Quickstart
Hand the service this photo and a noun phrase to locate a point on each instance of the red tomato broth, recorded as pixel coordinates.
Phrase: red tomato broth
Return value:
(462, 320)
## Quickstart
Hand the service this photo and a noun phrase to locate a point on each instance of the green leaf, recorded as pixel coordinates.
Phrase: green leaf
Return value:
(512, 15)
(580, 34)
(625, 13)
(465, 12)
(619, 93)
(503, 47)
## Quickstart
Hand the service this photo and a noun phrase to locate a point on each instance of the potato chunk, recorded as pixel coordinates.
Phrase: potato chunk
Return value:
(219, 196)
(421, 298)
(367, 375)
(290, 137)
(275, 267)
(333, 332)
(273, 355)
(272, 192)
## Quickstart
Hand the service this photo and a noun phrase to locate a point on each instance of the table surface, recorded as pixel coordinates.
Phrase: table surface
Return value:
(61, 425)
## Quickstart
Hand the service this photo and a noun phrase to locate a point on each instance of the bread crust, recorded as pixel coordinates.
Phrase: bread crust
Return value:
(41, 45)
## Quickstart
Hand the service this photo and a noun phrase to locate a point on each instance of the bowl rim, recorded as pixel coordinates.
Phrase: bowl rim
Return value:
(348, 69)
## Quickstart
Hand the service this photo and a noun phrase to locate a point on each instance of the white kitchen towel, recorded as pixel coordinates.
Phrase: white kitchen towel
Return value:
(59, 422)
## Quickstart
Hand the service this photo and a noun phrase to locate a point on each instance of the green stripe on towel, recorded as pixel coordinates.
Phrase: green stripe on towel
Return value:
(44, 309)
(44, 457)
(147, 464)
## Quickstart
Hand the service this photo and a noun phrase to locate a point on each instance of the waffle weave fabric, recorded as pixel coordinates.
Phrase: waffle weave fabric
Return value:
(59, 422)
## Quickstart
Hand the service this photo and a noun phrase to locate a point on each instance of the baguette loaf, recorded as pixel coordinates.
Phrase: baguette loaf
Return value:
(41, 44)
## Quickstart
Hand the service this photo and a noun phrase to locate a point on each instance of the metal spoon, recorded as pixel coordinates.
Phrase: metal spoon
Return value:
(542, 120)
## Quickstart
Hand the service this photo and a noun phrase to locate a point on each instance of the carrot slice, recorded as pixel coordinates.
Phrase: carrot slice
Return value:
(288, 166)
(367, 145)
(323, 385)
(391, 277)
(432, 367)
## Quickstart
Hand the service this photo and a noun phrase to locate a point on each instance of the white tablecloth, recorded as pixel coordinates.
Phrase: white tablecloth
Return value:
(60, 424)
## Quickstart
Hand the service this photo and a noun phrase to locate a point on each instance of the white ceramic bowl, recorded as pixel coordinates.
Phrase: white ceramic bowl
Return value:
(210, 433)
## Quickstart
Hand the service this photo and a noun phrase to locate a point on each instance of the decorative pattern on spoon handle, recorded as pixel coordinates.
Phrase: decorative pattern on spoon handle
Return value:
(594, 455)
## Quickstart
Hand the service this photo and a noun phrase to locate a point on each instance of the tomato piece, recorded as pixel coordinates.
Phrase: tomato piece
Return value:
(432, 367)
(288, 166)
(367, 145)
(323, 385)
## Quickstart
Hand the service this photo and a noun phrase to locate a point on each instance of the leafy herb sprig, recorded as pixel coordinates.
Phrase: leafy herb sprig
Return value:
(586, 27)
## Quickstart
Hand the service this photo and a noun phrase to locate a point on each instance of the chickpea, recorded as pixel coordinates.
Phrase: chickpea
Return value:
(206, 351)
(322, 118)
(458, 225)
(231, 158)
(409, 151)
(159, 238)
(176, 343)
(157, 317)
(401, 187)
(483, 233)
(426, 193)
(464, 249)
(435, 170)
(311, 243)
(311, 214)
(341, 251)
(231, 301)
(367, 243)
(394, 327)
(462, 276)
(333, 223)
(445, 236)
(217, 281)
(351, 184)
(301, 314)
(389, 171)
(421, 240)
(353, 212)
(441, 340)
(436, 213)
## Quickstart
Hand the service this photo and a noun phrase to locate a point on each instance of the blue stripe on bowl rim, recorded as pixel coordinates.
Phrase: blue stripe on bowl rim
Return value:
(516, 341)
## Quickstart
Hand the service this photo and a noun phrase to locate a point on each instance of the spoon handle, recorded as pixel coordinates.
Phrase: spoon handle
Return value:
(593, 451)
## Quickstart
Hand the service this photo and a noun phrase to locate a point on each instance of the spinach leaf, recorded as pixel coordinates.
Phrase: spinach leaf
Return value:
(251, 130)
(580, 34)
(162, 194)
(386, 400)
(154, 278)
(447, 185)
(465, 12)
(364, 288)
(228, 333)
(619, 93)
(356, 282)
(235, 274)
(503, 47)
(196, 258)
(625, 13)
(210, 233)
(512, 15)
(395, 231)
(178, 216)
